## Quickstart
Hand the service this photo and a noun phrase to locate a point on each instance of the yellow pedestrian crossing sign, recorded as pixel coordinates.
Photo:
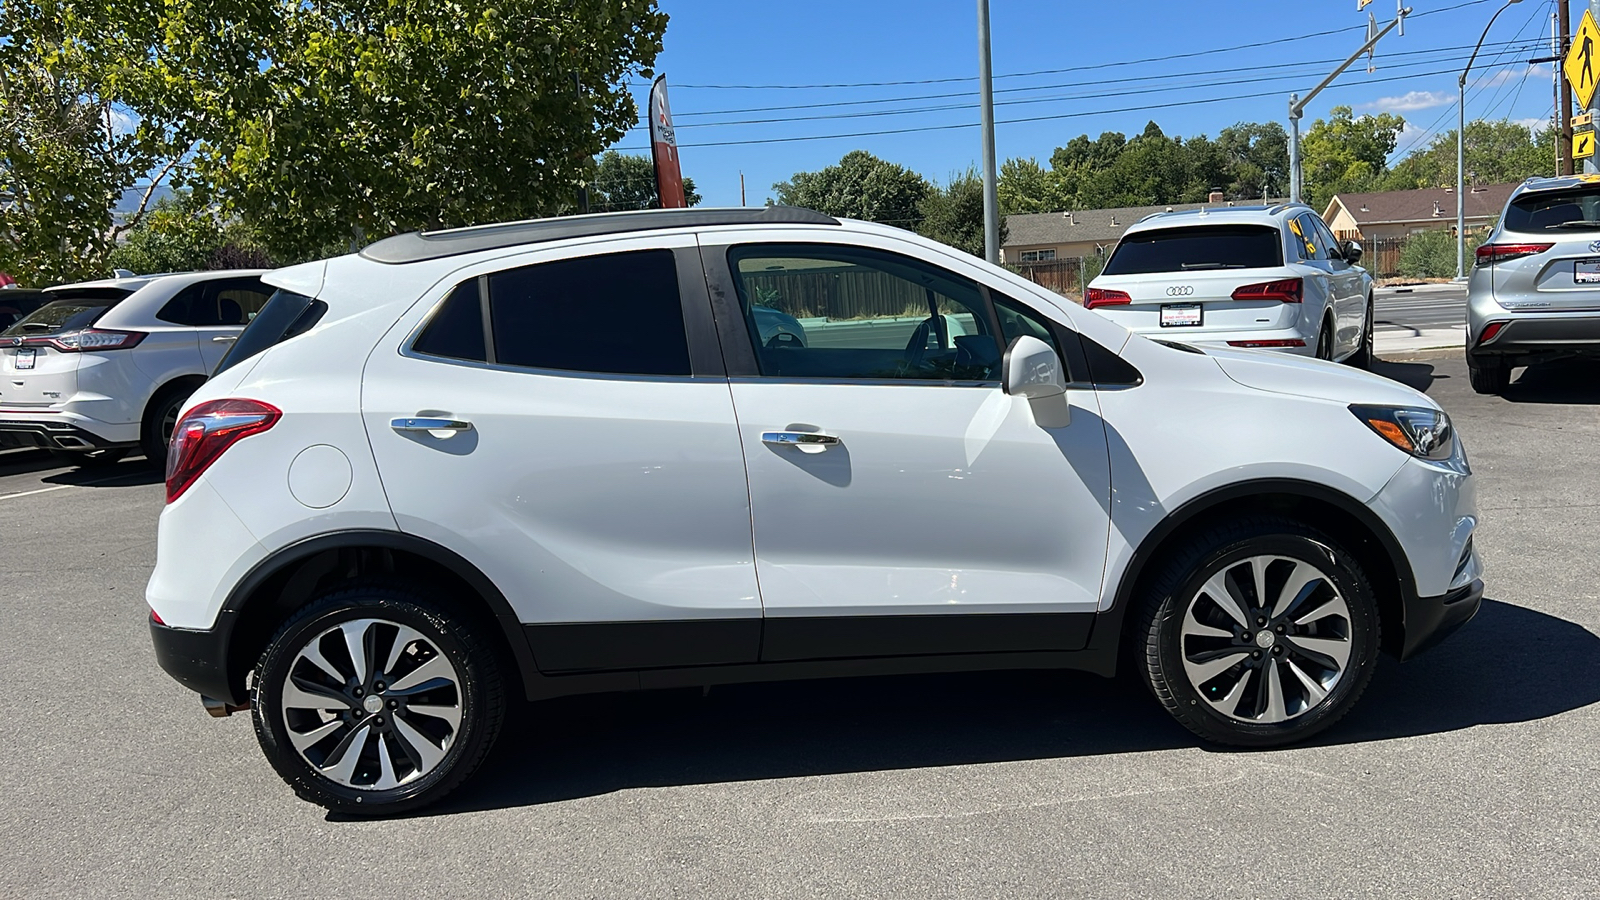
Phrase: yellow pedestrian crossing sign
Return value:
(1583, 145)
(1582, 65)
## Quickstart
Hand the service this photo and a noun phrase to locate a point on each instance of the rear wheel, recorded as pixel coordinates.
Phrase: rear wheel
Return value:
(1260, 632)
(1325, 342)
(373, 701)
(159, 421)
(1488, 376)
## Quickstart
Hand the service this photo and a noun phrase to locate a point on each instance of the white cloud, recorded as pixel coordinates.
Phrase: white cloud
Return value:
(123, 121)
(1411, 101)
(1412, 139)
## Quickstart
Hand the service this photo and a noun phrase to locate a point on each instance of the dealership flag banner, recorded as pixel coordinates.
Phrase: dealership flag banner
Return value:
(664, 148)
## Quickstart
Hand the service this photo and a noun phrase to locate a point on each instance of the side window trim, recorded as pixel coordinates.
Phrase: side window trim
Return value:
(485, 311)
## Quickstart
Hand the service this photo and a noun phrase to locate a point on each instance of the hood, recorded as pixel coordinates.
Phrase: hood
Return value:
(1281, 373)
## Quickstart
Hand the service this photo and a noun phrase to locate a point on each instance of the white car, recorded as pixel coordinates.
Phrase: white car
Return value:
(1254, 277)
(518, 461)
(104, 366)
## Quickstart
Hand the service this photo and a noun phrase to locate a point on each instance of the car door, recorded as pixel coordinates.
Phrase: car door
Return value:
(563, 422)
(221, 313)
(1349, 288)
(902, 503)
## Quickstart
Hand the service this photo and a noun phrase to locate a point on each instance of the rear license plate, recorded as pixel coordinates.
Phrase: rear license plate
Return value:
(1586, 271)
(25, 358)
(1182, 315)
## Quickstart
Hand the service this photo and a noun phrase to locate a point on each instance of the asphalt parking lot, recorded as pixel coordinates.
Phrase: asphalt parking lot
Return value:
(1469, 772)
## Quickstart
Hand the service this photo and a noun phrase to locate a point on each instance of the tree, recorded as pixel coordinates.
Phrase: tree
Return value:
(1496, 153)
(1257, 160)
(954, 214)
(1346, 153)
(69, 143)
(181, 234)
(623, 182)
(326, 121)
(860, 186)
(1024, 186)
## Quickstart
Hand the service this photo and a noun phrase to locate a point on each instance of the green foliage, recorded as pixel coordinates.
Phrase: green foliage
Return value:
(1432, 254)
(623, 182)
(69, 145)
(860, 186)
(953, 214)
(1495, 153)
(1246, 161)
(181, 234)
(1346, 153)
(328, 121)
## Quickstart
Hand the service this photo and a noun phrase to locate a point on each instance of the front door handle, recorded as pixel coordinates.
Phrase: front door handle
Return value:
(224, 339)
(804, 441)
(430, 425)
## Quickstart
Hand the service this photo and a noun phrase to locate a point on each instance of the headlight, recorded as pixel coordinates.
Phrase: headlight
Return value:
(1423, 433)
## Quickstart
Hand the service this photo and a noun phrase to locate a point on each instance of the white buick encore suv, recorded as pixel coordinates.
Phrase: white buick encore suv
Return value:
(553, 457)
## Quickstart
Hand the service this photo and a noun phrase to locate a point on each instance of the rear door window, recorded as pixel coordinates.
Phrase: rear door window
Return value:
(1574, 209)
(284, 316)
(232, 301)
(1197, 248)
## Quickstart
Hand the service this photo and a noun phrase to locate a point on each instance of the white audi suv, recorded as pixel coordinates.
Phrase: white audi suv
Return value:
(1242, 276)
(466, 468)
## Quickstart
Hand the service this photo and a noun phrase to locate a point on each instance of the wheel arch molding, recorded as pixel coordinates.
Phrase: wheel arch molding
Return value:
(295, 575)
(1358, 530)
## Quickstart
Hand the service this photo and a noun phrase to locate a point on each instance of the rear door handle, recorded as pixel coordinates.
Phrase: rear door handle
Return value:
(224, 339)
(430, 425)
(804, 441)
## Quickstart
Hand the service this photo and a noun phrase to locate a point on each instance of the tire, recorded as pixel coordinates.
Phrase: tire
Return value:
(406, 759)
(91, 459)
(1188, 638)
(1325, 342)
(159, 418)
(1488, 376)
(1364, 356)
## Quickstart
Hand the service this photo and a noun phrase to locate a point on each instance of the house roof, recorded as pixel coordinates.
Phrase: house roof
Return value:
(1403, 207)
(1100, 225)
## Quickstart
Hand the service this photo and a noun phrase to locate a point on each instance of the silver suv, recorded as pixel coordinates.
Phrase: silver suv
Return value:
(1534, 294)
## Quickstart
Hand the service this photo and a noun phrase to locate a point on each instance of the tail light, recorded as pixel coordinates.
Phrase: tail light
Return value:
(1489, 331)
(1284, 342)
(1288, 290)
(1093, 297)
(87, 339)
(206, 432)
(1489, 254)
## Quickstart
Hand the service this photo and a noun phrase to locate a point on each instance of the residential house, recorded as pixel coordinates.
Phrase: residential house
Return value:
(1394, 214)
(1044, 237)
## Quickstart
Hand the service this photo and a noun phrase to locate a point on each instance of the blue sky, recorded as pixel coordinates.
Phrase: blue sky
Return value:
(1118, 65)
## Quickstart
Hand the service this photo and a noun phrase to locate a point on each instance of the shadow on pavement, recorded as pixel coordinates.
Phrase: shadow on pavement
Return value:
(1564, 381)
(1416, 375)
(125, 473)
(1510, 665)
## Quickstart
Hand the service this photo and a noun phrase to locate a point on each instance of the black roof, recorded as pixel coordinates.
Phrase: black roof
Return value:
(419, 246)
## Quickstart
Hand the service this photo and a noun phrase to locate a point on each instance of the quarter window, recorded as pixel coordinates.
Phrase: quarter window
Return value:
(456, 330)
(614, 313)
(844, 312)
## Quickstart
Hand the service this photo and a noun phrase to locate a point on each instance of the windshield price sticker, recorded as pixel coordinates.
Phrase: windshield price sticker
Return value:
(1182, 315)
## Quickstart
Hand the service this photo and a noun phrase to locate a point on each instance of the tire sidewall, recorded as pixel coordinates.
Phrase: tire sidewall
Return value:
(152, 443)
(473, 669)
(1346, 576)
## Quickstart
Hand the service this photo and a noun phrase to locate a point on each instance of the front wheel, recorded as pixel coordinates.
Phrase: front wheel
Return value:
(1261, 632)
(372, 701)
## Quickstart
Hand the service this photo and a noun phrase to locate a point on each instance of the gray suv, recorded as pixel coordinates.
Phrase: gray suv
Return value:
(1534, 294)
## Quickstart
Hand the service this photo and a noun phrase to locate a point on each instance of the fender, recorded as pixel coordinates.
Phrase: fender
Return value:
(305, 548)
(1106, 638)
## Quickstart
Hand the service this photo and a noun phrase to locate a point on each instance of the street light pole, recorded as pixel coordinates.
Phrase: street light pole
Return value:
(1461, 147)
(991, 195)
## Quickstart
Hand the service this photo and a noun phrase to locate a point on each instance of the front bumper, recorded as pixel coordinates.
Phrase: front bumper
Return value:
(1429, 620)
(197, 658)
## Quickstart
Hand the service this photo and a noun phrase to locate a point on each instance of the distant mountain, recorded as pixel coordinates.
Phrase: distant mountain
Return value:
(130, 200)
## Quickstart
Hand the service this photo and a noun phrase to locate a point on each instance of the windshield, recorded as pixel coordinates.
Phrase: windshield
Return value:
(1575, 209)
(59, 316)
(1196, 249)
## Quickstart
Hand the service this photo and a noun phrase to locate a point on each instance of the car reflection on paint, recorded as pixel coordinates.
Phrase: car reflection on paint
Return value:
(777, 328)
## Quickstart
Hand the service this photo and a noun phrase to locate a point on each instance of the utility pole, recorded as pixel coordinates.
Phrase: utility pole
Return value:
(991, 196)
(1564, 107)
(1297, 104)
(1555, 84)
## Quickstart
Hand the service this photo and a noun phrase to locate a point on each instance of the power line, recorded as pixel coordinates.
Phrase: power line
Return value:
(1045, 118)
(1529, 45)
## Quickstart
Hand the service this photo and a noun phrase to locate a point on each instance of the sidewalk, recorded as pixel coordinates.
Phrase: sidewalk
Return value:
(1390, 341)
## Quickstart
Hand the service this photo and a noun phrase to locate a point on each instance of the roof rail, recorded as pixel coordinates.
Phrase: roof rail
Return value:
(420, 246)
(1287, 205)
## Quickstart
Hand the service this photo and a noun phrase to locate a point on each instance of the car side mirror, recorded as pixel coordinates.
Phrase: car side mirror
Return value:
(1031, 369)
(1352, 252)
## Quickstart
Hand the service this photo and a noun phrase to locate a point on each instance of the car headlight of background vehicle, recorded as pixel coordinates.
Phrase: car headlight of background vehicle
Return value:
(1423, 433)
